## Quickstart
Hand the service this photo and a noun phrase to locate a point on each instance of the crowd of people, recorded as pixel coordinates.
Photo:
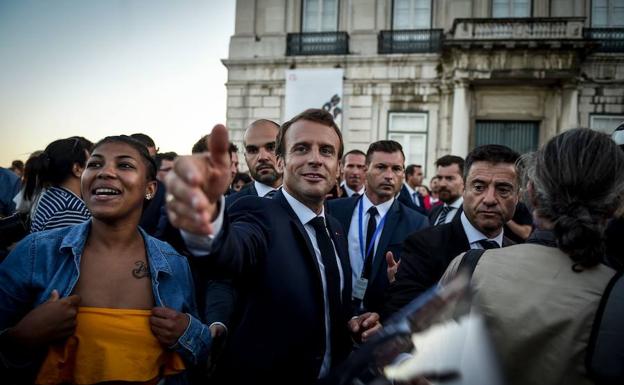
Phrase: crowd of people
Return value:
(134, 265)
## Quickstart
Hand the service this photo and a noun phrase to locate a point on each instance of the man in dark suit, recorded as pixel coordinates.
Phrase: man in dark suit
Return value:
(490, 199)
(292, 319)
(408, 195)
(376, 223)
(353, 171)
(450, 175)
(259, 142)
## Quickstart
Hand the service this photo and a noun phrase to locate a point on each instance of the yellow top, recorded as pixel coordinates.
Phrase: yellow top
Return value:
(109, 345)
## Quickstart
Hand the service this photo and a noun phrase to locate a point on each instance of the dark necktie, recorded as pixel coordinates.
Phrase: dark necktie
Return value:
(370, 230)
(355, 195)
(443, 214)
(486, 244)
(415, 199)
(270, 194)
(332, 276)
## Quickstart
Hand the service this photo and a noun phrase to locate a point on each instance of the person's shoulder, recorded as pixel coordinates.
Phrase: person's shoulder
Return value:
(410, 213)
(248, 190)
(340, 203)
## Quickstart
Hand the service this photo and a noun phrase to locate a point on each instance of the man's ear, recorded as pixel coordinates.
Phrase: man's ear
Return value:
(280, 164)
(531, 195)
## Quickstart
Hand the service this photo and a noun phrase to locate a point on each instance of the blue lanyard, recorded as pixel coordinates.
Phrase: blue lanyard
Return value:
(361, 232)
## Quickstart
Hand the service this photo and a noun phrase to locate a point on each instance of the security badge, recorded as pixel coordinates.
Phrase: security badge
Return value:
(360, 288)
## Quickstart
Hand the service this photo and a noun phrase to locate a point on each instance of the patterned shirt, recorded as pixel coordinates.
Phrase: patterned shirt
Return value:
(58, 207)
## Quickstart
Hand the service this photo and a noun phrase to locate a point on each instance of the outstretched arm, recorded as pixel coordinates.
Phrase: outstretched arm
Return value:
(196, 183)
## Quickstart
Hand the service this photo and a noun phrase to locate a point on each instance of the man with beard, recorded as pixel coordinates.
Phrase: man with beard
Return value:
(353, 170)
(450, 169)
(489, 201)
(259, 142)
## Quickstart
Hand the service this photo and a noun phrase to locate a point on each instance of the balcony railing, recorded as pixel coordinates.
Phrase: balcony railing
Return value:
(317, 43)
(608, 39)
(410, 41)
(518, 29)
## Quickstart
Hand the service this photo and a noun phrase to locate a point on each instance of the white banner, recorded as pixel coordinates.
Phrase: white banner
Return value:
(314, 88)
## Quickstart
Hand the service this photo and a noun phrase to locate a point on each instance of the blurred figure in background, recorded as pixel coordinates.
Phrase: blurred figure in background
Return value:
(240, 180)
(164, 164)
(17, 166)
(58, 170)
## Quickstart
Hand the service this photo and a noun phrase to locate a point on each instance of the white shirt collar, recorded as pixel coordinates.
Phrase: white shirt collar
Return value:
(457, 204)
(382, 208)
(302, 211)
(262, 189)
(475, 235)
(350, 192)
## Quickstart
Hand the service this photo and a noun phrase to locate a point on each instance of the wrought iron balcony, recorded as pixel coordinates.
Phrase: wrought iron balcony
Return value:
(608, 39)
(317, 43)
(518, 29)
(410, 41)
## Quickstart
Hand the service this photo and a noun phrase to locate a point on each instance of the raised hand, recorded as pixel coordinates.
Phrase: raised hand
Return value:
(51, 321)
(196, 184)
(393, 266)
(168, 325)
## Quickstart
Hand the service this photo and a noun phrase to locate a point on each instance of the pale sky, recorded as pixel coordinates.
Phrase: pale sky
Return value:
(107, 67)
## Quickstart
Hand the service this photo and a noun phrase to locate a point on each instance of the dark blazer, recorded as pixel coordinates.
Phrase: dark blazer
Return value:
(401, 221)
(248, 190)
(405, 198)
(425, 256)
(278, 332)
(435, 212)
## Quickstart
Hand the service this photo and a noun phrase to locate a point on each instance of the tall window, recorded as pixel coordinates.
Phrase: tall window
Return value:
(607, 13)
(320, 16)
(511, 8)
(411, 14)
(521, 136)
(605, 123)
(410, 129)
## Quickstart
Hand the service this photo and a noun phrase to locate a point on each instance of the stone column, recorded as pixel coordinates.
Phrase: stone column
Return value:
(569, 108)
(460, 126)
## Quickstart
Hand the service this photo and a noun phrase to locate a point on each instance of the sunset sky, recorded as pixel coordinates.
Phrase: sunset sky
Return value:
(97, 68)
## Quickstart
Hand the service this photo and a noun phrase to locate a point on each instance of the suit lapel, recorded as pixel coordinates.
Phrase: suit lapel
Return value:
(297, 225)
(302, 237)
(459, 234)
(340, 243)
(392, 218)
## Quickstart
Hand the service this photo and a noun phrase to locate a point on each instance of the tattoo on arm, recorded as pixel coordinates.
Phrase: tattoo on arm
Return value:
(141, 271)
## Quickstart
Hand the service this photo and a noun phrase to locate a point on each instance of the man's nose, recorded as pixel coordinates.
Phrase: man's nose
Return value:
(263, 153)
(490, 196)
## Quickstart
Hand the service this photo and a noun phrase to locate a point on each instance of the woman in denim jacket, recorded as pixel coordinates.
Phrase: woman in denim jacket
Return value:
(102, 301)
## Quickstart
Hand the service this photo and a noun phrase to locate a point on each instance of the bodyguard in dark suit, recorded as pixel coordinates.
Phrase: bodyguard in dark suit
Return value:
(353, 171)
(391, 223)
(293, 314)
(408, 195)
(490, 199)
(416, 203)
(450, 175)
(259, 142)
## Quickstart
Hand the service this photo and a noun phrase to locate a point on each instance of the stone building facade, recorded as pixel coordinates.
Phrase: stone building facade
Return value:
(440, 76)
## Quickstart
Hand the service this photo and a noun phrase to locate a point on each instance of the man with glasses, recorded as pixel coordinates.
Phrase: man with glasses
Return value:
(259, 142)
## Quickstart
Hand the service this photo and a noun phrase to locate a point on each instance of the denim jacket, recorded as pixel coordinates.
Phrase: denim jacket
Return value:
(49, 260)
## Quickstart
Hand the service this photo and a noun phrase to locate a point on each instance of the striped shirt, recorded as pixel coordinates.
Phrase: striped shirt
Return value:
(58, 207)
